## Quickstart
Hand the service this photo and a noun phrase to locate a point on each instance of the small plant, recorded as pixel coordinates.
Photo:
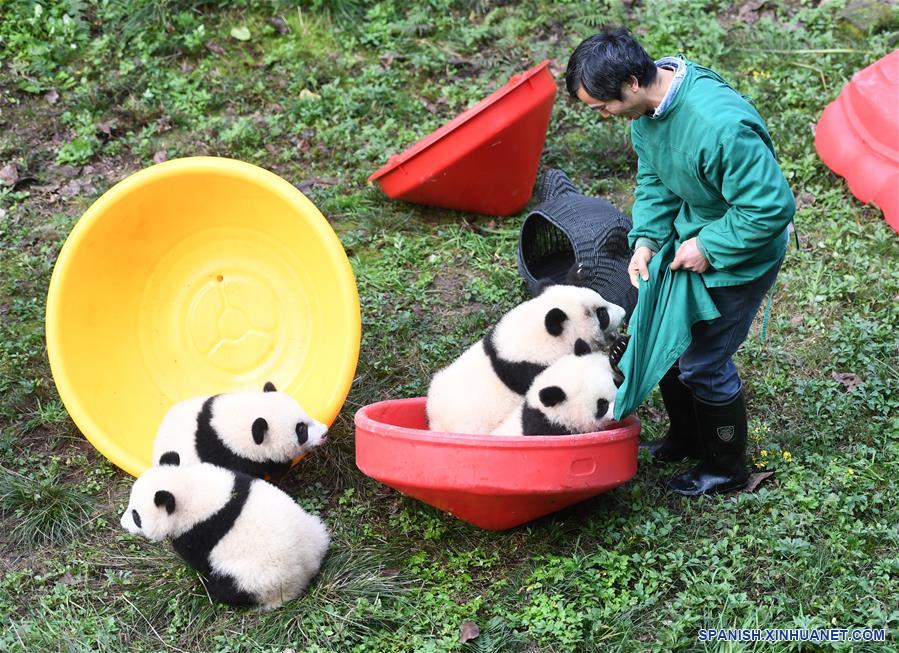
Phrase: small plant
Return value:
(46, 509)
(84, 145)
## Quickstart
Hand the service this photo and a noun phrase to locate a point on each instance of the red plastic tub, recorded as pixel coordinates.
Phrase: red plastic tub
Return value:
(483, 161)
(494, 482)
(858, 136)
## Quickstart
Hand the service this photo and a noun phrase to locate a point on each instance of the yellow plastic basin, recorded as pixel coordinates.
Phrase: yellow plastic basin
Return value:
(197, 276)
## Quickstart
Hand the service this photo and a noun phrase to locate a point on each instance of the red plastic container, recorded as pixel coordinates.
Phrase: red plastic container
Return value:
(494, 482)
(483, 161)
(858, 136)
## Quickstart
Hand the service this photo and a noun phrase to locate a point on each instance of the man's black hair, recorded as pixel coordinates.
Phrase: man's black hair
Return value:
(605, 61)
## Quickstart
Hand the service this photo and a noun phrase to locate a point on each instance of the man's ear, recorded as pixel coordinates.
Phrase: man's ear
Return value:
(634, 83)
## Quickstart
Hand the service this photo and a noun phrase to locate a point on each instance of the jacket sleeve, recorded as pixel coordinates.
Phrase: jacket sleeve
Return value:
(761, 204)
(655, 207)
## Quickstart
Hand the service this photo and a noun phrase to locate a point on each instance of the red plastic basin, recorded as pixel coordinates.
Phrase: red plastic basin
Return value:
(858, 136)
(493, 482)
(483, 161)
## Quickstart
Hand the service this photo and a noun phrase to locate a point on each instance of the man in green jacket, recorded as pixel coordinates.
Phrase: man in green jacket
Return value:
(707, 177)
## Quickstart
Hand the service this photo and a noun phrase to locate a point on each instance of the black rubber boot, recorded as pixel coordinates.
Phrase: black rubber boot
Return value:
(722, 462)
(680, 440)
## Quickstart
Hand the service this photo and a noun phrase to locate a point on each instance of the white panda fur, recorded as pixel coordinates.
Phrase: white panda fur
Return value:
(251, 543)
(475, 392)
(258, 433)
(576, 394)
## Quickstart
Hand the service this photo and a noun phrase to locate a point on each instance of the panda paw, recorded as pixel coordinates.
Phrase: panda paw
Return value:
(616, 351)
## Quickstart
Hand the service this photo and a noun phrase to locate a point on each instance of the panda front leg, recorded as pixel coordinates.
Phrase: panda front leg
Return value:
(224, 589)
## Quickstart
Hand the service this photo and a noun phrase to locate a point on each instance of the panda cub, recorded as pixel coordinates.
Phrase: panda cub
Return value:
(252, 544)
(576, 394)
(475, 392)
(258, 433)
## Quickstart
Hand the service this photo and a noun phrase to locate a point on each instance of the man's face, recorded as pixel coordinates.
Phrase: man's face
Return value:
(631, 105)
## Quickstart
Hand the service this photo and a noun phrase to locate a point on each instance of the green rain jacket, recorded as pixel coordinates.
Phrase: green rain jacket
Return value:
(706, 168)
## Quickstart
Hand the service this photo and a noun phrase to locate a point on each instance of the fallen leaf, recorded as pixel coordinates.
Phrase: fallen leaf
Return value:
(468, 631)
(67, 579)
(430, 106)
(317, 181)
(555, 68)
(306, 94)
(107, 126)
(9, 175)
(756, 478)
(160, 156)
(241, 33)
(805, 199)
(2, 213)
(848, 380)
(70, 189)
(280, 24)
(796, 320)
(749, 12)
(51, 96)
(215, 48)
(390, 572)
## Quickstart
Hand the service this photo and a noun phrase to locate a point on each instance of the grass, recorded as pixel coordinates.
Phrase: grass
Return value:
(323, 93)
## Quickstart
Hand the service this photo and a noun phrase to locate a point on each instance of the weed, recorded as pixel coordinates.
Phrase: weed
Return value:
(45, 509)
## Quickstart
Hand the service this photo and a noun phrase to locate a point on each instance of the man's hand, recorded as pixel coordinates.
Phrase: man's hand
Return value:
(638, 264)
(688, 257)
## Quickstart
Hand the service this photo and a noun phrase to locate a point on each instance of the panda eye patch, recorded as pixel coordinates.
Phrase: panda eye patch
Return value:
(302, 432)
(260, 426)
(552, 395)
(602, 407)
(135, 515)
(554, 321)
(602, 313)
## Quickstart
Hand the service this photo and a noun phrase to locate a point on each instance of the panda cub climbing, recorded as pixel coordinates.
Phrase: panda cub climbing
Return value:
(487, 382)
(576, 394)
(252, 544)
(257, 433)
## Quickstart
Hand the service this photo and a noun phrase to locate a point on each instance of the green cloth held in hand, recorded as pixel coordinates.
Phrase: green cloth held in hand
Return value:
(669, 304)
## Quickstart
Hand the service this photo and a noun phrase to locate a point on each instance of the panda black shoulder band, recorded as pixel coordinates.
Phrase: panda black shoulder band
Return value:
(515, 375)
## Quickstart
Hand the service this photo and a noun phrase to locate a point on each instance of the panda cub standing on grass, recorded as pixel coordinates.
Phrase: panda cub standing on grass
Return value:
(487, 382)
(250, 542)
(576, 394)
(257, 433)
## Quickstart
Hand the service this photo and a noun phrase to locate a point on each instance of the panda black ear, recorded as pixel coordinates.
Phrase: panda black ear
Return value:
(581, 348)
(602, 407)
(552, 395)
(165, 498)
(260, 426)
(554, 321)
(170, 458)
(269, 387)
(577, 276)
